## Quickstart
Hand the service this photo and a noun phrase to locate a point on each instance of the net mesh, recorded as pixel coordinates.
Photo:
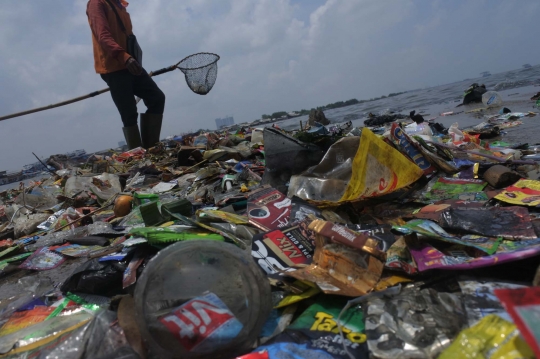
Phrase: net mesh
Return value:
(200, 71)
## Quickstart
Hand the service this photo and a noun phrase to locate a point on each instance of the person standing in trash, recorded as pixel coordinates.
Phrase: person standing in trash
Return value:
(111, 24)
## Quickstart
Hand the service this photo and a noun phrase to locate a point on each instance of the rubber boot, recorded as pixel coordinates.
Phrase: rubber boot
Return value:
(133, 136)
(150, 129)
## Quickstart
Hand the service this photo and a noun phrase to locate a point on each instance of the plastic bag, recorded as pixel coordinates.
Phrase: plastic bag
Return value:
(455, 132)
(377, 169)
(41, 336)
(328, 180)
(27, 224)
(103, 186)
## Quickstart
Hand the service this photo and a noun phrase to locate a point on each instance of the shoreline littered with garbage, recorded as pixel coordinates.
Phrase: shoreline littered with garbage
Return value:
(334, 243)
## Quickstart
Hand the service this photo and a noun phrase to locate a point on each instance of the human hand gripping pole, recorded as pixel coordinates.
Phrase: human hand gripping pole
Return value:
(133, 66)
(200, 71)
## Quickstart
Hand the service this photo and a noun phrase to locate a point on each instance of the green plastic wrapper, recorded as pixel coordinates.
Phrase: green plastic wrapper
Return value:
(457, 188)
(316, 332)
(159, 235)
(431, 229)
(493, 337)
(143, 198)
(4, 263)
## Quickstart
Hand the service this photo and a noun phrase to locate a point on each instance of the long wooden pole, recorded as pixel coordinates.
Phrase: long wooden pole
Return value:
(80, 98)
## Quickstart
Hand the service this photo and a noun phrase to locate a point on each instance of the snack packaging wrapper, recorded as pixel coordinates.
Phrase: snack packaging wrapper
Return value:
(523, 305)
(492, 337)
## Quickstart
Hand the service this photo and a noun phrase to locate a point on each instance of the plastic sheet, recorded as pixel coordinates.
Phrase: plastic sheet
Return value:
(29, 288)
(506, 222)
(95, 277)
(286, 156)
(428, 257)
(328, 180)
(103, 186)
(97, 228)
(32, 339)
(27, 224)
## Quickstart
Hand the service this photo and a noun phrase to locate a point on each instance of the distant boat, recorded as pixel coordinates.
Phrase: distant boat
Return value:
(293, 114)
(485, 74)
(527, 66)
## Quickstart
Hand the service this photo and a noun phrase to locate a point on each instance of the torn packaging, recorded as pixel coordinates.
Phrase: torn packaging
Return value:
(407, 147)
(343, 235)
(279, 250)
(269, 209)
(341, 270)
(507, 222)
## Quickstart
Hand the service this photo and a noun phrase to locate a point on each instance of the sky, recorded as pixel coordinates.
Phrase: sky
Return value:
(275, 55)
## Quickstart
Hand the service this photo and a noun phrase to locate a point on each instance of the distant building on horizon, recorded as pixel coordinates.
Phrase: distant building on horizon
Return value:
(224, 122)
(122, 143)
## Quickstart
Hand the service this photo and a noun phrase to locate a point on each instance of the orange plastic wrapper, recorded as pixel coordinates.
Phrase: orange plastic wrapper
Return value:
(21, 320)
(135, 153)
(341, 270)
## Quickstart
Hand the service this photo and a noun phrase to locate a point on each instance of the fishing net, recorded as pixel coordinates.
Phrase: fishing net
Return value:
(200, 71)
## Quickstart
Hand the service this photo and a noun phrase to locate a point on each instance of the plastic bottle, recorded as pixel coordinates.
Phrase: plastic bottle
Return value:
(492, 99)
(419, 129)
(201, 299)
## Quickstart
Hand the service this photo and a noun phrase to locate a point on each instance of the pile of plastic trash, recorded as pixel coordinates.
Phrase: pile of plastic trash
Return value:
(263, 244)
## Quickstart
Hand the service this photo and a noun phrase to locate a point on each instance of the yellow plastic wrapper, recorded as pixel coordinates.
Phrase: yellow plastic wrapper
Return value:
(310, 291)
(378, 169)
(354, 168)
(223, 216)
(492, 337)
(523, 193)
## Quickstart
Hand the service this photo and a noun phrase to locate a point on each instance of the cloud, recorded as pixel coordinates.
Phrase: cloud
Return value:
(275, 55)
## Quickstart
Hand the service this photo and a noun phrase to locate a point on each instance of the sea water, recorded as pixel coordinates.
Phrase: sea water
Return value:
(515, 87)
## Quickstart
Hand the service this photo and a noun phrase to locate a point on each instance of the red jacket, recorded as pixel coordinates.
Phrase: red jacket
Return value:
(109, 41)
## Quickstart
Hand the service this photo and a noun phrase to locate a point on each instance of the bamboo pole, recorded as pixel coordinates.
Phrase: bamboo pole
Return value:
(80, 98)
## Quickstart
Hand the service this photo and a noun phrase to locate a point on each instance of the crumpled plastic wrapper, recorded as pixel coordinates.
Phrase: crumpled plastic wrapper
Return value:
(416, 323)
(341, 270)
(94, 229)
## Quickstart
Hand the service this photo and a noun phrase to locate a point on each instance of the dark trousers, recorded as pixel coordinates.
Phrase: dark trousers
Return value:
(125, 86)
